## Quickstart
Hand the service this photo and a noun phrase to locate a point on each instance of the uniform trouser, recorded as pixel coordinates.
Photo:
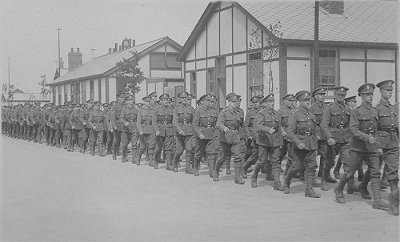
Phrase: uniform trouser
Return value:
(206, 148)
(75, 137)
(97, 138)
(109, 140)
(64, 138)
(234, 150)
(68, 137)
(391, 158)
(47, 134)
(343, 150)
(286, 149)
(252, 147)
(127, 137)
(53, 136)
(265, 155)
(84, 135)
(26, 131)
(303, 160)
(168, 142)
(322, 151)
(372, 174)
(116, 141)
(147, 141)
(57, 137)
(184, 142)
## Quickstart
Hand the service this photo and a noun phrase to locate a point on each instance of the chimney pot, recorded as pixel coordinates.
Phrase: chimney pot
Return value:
(72, 50)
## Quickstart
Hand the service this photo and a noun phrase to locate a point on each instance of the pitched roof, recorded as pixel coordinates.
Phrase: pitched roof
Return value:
(102, 64)
(362, 21)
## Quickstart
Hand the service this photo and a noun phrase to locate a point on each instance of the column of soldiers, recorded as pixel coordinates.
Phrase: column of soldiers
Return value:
(162, 130)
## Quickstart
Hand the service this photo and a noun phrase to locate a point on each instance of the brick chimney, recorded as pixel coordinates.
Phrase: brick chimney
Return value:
(74, 59)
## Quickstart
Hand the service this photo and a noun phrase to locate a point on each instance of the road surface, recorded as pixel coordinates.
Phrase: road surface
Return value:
(50, 194)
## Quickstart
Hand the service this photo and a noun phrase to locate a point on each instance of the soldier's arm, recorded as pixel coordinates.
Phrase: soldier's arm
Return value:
(90, 120)
(175, 121)
(355, 129)
(259, 122)
(325, 123)
(220, 121)
(291, 130)
(154, 120)
(113, 115)
(70, 119)
(195, 123)
(139, 121)
(122, 115)
(246, 124)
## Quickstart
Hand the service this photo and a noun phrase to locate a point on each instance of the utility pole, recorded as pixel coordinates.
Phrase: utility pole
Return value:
(92, 52)
(59, 58)
(315, 83)
(9, 83)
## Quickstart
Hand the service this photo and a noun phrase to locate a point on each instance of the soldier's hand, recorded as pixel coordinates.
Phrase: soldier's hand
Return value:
(181, 132)
(380, 151)
(272, 130)
(73, 127)
(157, 133)
(111, 129)
(284, 134)
(372, 140)
(331, 141)
(201, 136)
(301, 146)
(126, 123)
(115, 127)
(141, 132)
(94, 127)
(84, 123)
(226, 129)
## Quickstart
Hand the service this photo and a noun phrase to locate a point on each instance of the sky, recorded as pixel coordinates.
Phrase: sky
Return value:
(28, 39)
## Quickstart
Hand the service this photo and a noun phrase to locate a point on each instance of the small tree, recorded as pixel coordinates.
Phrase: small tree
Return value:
(129, 72)
(272, 53)
(45, 90)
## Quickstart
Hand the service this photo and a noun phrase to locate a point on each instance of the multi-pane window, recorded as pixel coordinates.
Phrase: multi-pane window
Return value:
(210, 81)
(59, 94)
(255, 75)
(91, 89)
(83, 91)
(193, 84)
(99, 87)
(327, 67)
(66, 93)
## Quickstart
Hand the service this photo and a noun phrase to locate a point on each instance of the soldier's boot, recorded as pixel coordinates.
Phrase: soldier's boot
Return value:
(328, 177)
(150, 158)
(92, 150)
(109, 151)
(228, 167)
(378, 203)
(309, 186)
(268, 172)
(169, 156)
(102, 151)
(254, 176)
(245, 167)
(196, 166)
(360, 174)
(394, 201)
(216, 172)
(175, 163)
(336, 170)
(238, 178)
(114, 154)
(211, 164)
(363, 187)
(277, 180)
(351, 186)
(156, 160)
(320, 171)
(134, 156)
(324, 185)
(384, 181)
(393, 185)
(287, 178)
(124, 155)
(338, 189)
(188, 169)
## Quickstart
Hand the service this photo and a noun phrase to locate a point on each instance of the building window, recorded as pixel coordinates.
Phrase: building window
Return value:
(193, 84)
(77, 92)
(255, 75)
(53, 90)
(99, 87)
(164, 61)
(327, 67)
(91, 89)
(65, 93)
(72, 92)
(83, 91)
(210, 82)
(59, 94)
(107, 90)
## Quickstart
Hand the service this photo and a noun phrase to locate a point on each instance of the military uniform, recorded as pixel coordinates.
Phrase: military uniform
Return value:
(388, 135)
(107, 125)
(286, 148)
(116, 125)
(335, 125)
(96, 121)
(76, 126)
(146, 131)
(162, 123)
(228, 123)
(204, 121)
(302, 132)
(182, 122)
(58, 117)
(129, 115)
(269, 140)
(67, 126)
(364, 147)
(86, 130)
(251, 145)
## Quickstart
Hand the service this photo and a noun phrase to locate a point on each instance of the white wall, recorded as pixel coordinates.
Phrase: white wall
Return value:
(191, 53)
(103, 90)
(159, 88)
(352, 76)
(201, 83)
(112, 89)
(144, 63)
(298, 75)
(142, 93)
(151, 87)
(298, 51)
(213, 36)
(190, 66)
(228, 79)
(201, 45)
(351, 53)
(239, 83)
(380, 54)
(238, 59)
(166, 74)
(239, 31)
(96, 89)
(187, 82)
(377, 72)
(226, 31)
(201, 64)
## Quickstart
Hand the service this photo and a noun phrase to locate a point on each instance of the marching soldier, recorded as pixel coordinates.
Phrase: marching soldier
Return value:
(268, 139)
(146, 130)
(251, 144)
(86, 130)
(335, 125)
(76, 126)
(388, 133)
(182, 122)
(116, 124)
(162, 123)
(289, 103)
(364, 146)
(97, 122)
(46, 122)
(317, 108)
(128, 117)
(67, 125)
(58, 117)
(229, 121)
(204, 121)
(107, 126)
(301, 131)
